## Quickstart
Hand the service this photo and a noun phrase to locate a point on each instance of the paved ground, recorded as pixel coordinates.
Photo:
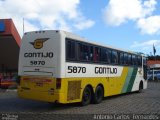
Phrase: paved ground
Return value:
(147, 102)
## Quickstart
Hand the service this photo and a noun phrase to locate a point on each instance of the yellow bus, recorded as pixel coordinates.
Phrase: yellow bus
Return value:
(58, 66)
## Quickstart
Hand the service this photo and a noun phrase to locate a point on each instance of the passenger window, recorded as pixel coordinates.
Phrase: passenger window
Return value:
(105, 55)
(133, 60)
(121, 58)
(108, 53)
(114, 57)
(83, 52)
(125, 59)
(97, 52)
(70, 46)
(129, 59)
(136, 60)
(139, 60)
(91, 53)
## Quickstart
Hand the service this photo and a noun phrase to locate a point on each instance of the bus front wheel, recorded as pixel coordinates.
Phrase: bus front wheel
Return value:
(87, 95)
(99, 94)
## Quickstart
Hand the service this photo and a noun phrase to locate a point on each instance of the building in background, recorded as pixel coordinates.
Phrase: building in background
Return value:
(9, 51)
(154, 69)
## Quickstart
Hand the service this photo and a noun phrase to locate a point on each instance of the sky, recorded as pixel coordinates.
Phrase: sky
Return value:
(126, 24)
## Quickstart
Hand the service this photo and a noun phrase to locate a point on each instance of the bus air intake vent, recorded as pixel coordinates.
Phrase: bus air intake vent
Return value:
(74, 88)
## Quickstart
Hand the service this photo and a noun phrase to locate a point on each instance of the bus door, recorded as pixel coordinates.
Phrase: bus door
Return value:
(144, 68)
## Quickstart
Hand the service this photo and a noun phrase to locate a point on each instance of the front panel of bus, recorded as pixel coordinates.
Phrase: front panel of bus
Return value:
(38, 65)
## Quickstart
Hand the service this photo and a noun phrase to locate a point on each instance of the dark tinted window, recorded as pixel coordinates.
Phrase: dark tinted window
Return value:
(105, 55)
(70, 52)
(83, 52)
(114, 57)
(134, 60)
(125, 59)
(97, 53)
(129, 59)
(91, 53)
(139, 60)
(108, 52)
(121, 58)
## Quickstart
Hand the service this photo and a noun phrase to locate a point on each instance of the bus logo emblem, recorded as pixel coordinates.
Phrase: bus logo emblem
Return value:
(38, 43)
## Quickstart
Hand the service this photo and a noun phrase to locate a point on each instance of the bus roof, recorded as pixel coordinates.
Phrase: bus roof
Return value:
(82, 39)
(78, 38)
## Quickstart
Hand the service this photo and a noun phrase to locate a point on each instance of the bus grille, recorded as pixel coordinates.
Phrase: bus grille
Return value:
(74, 88)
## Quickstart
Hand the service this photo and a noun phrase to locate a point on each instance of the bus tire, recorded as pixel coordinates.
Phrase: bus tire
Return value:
(140, 87)
(99, 94)
(86, 97)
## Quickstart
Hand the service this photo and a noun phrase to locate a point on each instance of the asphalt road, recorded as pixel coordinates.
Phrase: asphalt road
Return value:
(147, 102)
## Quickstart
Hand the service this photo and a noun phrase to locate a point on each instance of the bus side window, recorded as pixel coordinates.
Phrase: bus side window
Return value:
(114, 57)
(91, 53)
(121, 58)
(70, 52)
(125, 59)
(96, 54)
(105, 55)
(108, 53)
(129, 59)
(84, 52)
(133, 60)
(136, 60)
(139, 61)
(81, 52)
